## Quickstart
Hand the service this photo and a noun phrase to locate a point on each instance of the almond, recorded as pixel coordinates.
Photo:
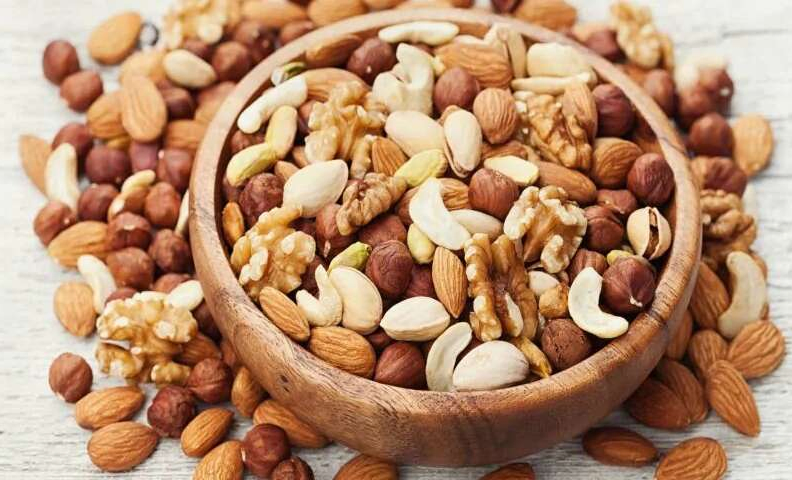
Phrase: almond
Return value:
(321, 81)
(679, 342)
(325, 12)
(386, 156)
(83, 238)
(199, 348)
(695, 459)
(104, 117)
(367, 467)
(147, 63)
(657, 406)
(705, 348)
(514, 471)
(579, 102)
(300, 433)
(246, 393)
(578, 186)
(495, 111)
(753, 143)
(33, 153)
(115, 38)
(731, 397)
(490, 66)
(612, 160)
(184, 134)
(332, 53)
(681, 381)
(552, 14)
(205, 431)
(757, 350)
(74, 308)
(710, 298)
(274, 13)
(103, 407)
(285, 314)
(619, 446)
(450, 281)
(121, 446)
(224, 462)
(143, 110)
(344, 349)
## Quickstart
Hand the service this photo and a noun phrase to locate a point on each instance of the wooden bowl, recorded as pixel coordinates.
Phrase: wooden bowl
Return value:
(434, 428)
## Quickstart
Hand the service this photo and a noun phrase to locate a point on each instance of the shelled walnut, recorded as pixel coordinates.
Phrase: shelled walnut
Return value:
(376, 193)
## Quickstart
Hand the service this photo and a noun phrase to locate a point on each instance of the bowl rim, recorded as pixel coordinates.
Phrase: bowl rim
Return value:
(206, 237)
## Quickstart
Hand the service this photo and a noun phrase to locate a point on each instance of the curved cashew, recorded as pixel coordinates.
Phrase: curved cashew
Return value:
(443, 356)
(430, 33)
(433, 218)
(409, 86)
(187, 295)
(60, 175)
(325, 311)
(134, 188)
(98, 277)
(362, 303)
(749, 294)
(583, 302)
(184, 215)
(292, 92)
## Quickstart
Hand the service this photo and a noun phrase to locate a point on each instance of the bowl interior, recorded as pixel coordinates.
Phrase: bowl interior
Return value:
(437, 428)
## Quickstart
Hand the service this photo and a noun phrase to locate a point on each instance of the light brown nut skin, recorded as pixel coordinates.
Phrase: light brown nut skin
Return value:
(80, 89)
(263, 448)
(70, 377)
(171, 411)
(59, 61)
(211, 381)
(52, 219)
(565, 344)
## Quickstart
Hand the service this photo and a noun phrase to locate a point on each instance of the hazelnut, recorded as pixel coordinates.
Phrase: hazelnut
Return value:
(59, 61)
(131, 267)
(719, 84)
(379, 340)
(382, 229)
(456, 86)
(294, 30)
(259, 39)
(401, 364)
(166, 283)
(293, 468)
(230, 192)
(605, 231)
(174, 167)
(719, 173)
(78, 135)
(693, 103)
(128, 230)
(210, 380)
(94, 202)
(162, 205)
(659, 84)
(107, 165)
(371, 58)
(390, 268)
(170, 252)
(565, 344)
(143, 156)
(553, 303)
(70, 377)
(615, 115)
(585, 258)
(711, 135)
(263, 448)
(328, 239)
(231, 61)
(121, 294)
(421, 284)
(492, 192)
(603, 43)
(262, 193)
(52, 219)
(628, 286)
(309, 278)
(620, 202)
(206, 323)
(651, 179)
(79, 90)
(171, 410)
(504, 6)
(241, 140)
(179, 102)
(199, 48)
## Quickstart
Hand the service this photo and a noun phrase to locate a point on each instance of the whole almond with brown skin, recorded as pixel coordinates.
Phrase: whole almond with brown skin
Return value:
(753, 143)
(83, 238)
(246, 393)
(450, 281)
(332, 53)
(343, 349)
(104, 116)
(283, 312)
(578, 186)
(681, 381)
(732, 398)
(695, 459)
(224, 462)
(612, 160)
(552, 14)
(657, 406)
(619, 446)
(205, 431)
(367, 467)
(121, 446)
(73, 303)
(143, 110)
(325, 12)
(33, 154)
(757, 350)
(184, 134)
(578, 101)
(679, 342)
(115, 38)
(300, 433)
(273, 13)
(496, 112)
(705, 348)
(514, 471)
(386, 156)
(199, 348)
(103, 407)
(710, 298)
(490, 66)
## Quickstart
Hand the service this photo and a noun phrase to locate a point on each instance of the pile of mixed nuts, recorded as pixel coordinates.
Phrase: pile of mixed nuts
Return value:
(424, 208)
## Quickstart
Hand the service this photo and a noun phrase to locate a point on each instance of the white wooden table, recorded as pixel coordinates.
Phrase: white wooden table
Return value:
(38, 437)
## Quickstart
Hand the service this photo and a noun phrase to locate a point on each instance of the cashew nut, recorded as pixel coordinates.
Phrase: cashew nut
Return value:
(430, 33)
(326, 310)
(463, 142)
(749, 294)
(443, 356)
(490, 366)
(408, 87)
(292, 92)
(362, 303)
(134, 189)
(510, 42)
(187, 295)
(433, 218)
(184, 215)
(60, 176)
(583, 302)
(552, 68)
(99, 278)
(417, 319)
